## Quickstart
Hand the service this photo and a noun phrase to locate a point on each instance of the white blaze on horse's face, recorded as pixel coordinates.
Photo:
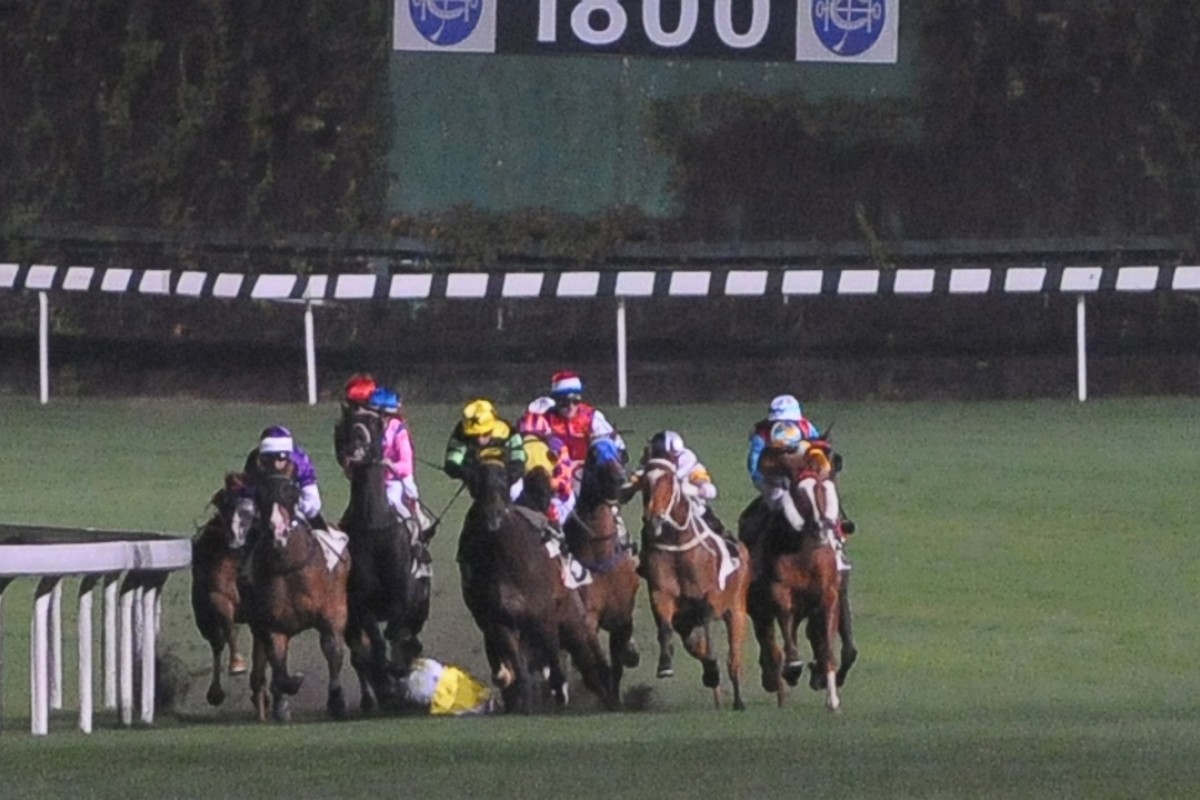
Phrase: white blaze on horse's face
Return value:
(654, 470)
(240, 522)
(281, 525)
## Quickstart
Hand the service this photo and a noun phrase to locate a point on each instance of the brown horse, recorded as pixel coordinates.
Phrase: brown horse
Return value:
(216, 601)
(292, 589)
(796, 574)
(515, 592)
(682, 562)
(592, 537)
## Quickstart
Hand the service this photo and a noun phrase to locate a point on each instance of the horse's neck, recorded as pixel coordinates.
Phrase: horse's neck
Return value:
(369, 508)
(296, 556)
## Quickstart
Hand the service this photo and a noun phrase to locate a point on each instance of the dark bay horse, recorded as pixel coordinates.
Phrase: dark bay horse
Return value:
(292, 589)
(796, 576)
(386, 587)
(515, 592)
(216, 600)
(592, 537)
(682, 563)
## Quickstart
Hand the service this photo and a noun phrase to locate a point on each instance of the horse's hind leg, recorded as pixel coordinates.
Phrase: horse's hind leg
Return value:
(585, 650)
(735, 627)
(770, 658)
(785, 615)
(331, 647)
(620, 644)
(215, 695)
(258, 678)
(846, 631)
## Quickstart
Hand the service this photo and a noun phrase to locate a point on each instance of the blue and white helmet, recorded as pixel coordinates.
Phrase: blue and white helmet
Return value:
(785, 407)
(384, 399)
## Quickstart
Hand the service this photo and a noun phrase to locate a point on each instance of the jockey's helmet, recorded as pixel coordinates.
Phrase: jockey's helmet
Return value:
(533, 422)
(385, 400)
(479, 418)
(566, 383)
(786, 435)
(276, 440)
(359, 388)
(667, 443)
(785, 407)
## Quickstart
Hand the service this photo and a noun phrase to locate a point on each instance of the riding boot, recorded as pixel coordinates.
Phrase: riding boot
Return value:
(839, 549)
(318, 522)
(731, 542)
(623, 540)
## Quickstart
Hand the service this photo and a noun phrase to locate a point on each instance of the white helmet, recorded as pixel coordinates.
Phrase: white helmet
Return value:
(672, 443)
(785, 407)
(541, 405)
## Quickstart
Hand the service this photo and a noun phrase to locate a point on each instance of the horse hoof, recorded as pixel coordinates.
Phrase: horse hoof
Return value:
(237, 665)
(367, 704)
(792, 672)
(336, 705)
(666, 672)
(770, 681)
(215, 696)
(816, 679)
(711, 678)
(282, 710)
(630, 658)
(289, 685)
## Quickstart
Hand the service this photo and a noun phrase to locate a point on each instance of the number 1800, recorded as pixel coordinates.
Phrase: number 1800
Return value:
(604, 22)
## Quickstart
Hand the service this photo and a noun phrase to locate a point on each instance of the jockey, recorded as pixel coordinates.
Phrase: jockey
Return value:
(358, 392)
(278, 453)
(575, 422)
(694, 480)
(481, 433)
(544, 449)
(398, 459)
(784, 408)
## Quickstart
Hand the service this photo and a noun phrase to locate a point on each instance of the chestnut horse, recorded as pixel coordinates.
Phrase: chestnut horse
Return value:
(292, 589)
(216, 601)
(682, 560)
(796, 575)
(386, 585)
(513, 587)
(592, 537)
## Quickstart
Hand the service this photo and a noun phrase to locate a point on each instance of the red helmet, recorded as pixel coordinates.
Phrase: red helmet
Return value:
(359, 388)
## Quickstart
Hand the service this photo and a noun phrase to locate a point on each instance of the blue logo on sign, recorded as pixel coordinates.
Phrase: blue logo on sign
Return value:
(848, 27)
(445, 22)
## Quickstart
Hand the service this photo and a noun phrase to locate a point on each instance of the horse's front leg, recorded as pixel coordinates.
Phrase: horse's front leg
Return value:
(283, 684)
(258, 678)
(215, 694)
(664, 607)
(845, 630)
(331, 648)
(735, 627)
(785, 616)
(360, 660)
(770, 658)
(698, 642)
(237, 662)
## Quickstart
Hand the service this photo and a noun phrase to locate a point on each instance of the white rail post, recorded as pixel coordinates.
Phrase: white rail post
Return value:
(1081, 346)
(125, 671)
(310, 353)
(86, 704)
(43, 348)
(39, 658)
(3, 585)
(149, 641)
(622, 377)
(110, 639)
(56, 654)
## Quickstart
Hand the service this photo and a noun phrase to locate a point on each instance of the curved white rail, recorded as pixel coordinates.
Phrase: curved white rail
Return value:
(131, 621)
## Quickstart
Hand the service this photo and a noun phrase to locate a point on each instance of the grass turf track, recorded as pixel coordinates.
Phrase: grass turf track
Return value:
(1025, 601)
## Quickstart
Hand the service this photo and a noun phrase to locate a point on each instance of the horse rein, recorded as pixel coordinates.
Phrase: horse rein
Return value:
(688, 526)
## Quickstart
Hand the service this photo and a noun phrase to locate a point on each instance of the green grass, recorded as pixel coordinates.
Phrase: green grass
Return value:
(1024, 592)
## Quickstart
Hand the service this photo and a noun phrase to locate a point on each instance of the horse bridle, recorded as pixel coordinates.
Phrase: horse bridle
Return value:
(658, 520)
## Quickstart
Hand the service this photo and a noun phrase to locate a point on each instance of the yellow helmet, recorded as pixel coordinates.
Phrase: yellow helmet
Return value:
(479, 418)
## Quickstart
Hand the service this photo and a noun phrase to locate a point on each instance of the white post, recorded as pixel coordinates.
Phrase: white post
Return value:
(110, 640)
(125, 673)
(85, 653)
(39, 661)
(310, 353)
(55, 642)
(622, 377)
(1081, 346)
(149, 606)
(44, 347)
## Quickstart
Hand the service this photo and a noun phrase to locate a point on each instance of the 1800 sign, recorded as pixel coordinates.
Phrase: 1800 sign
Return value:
(752, 29)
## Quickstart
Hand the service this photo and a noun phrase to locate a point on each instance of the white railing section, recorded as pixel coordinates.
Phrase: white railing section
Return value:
(132, 613)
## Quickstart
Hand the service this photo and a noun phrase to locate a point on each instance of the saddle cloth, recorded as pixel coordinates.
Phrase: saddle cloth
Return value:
(333, 544)
(574, 574)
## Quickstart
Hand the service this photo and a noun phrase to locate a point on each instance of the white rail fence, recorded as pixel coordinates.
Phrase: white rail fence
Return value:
(130, 569)
(624, 285)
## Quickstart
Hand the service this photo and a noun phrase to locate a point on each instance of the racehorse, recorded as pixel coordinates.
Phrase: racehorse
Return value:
(682, 561)
(592, 537)
(796, 575)
(216, 601)
(292, 589)
(515, 592)
(387, 585)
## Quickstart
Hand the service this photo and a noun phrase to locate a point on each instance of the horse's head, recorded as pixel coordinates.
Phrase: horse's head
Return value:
(663, 501)
(360, 442)
(603, 474)
(278, 498)
(488, 484)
